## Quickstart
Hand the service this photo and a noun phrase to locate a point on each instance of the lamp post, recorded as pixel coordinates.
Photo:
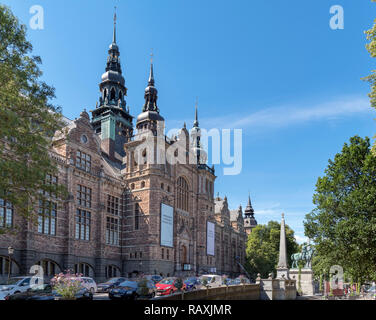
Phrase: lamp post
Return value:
(10, 253)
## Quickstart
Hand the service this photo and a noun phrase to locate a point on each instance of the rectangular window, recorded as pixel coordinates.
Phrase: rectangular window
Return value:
(162, 254)
(136, 216)
(51, 181)
(83, 220)
(83, 196)
(6, 214)
(47, 213)
(168, 254)
(112, 231)
(112, 205)
(83, 161)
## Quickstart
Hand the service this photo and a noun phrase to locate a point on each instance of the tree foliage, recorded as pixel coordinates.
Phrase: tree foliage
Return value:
(371, 47)
(28, 120)
(262, 251)
(343, 224)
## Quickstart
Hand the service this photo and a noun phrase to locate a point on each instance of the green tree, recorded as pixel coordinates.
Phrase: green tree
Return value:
(28, 121)
(343, 224)
(371, 47)
(262, 251)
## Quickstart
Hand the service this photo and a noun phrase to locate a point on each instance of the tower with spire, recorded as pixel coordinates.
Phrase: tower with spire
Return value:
(150, 120)
(111, 119)
(249, 220)
(199, 152)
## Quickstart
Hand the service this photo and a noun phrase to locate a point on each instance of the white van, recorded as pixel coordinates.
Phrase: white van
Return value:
(212, 280)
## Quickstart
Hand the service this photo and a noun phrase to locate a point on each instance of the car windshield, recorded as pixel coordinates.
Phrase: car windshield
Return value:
(113, 280)
(10, 281)
(208, 279)
(129, 284)
(373, 288)
(167, 281)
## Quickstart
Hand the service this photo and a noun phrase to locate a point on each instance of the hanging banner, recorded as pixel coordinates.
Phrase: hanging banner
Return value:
(167, 225)
(210, 238)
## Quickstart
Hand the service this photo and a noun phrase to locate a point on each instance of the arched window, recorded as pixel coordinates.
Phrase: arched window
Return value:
(104, 93)
(182, 194)
(112, 271)
(112, 97)
(121, 96)
(50, 268)
(85, 269)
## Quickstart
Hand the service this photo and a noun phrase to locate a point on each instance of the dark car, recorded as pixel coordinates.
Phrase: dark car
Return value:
(191, 283)
(46, 292)
(109, 284)
(132, 290)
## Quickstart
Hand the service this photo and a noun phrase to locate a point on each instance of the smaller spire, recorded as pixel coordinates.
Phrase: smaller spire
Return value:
(249, 209)
(195, 123)
(114, 34)
(151, 74)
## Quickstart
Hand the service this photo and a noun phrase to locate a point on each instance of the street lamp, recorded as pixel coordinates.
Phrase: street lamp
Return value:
(10, 253)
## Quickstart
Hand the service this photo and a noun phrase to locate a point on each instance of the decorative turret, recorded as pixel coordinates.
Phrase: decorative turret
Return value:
(111, 119)
(201, 156)
(150, 119)
(249, 220)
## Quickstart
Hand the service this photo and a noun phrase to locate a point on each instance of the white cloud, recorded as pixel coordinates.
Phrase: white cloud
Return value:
(301, 239)
(287, 115)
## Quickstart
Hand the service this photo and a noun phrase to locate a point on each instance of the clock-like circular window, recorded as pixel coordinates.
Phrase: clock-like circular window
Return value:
(84, 138)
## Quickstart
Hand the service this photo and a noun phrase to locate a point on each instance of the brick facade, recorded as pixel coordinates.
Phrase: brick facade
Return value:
(110, 224)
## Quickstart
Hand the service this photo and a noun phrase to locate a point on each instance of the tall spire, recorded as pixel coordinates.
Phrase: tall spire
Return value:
(114, 34)
(195, 123)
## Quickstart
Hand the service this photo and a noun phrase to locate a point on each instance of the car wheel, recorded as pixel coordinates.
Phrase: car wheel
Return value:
(17, 292)
(152, 295)
(92, 290)
(194, 288)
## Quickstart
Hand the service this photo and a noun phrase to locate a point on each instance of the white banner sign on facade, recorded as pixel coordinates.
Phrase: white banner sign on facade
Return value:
(167, 225)
(210, 237)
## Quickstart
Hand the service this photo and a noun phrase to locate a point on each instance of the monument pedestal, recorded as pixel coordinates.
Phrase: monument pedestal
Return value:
(306, 280)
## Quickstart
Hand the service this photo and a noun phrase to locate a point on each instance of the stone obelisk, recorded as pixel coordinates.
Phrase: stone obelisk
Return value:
(282, 268)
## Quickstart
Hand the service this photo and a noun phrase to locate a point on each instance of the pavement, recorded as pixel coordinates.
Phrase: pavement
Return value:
(101, 296)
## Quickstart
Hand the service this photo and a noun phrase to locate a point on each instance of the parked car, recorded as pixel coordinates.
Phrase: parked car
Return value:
(191, 283)
(212, 281)
(132, 290)
(168, 286)
(155, 278)
(89, 284)
(46, 292)
(109, 284)
(17, 285)
(371, 292)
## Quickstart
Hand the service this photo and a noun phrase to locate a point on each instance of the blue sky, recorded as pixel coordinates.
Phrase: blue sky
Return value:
(273, 69)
